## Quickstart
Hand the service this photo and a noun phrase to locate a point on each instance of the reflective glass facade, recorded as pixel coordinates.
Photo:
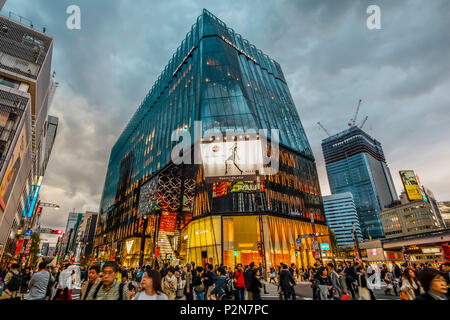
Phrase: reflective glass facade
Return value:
(222, 80)
(355, 163)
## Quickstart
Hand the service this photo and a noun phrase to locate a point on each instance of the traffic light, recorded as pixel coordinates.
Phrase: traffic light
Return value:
(235, 253)
(296, 253)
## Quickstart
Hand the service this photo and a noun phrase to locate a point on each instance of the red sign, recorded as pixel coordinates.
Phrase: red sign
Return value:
(19, 246)
(168, 222)
(260, 248)
(156, 252)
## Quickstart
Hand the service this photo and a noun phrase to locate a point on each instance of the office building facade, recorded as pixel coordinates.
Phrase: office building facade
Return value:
(191, 211)
(355, 163)
(409, 218)
(341, 215)
(26, 90)
(444, 207)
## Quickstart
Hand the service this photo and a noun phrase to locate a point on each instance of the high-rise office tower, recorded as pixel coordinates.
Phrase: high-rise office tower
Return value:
(355, 163)
(341, 215)
(26, 89)
(223, 210)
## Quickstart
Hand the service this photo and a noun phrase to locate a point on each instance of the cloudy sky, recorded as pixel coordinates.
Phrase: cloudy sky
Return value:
(329, 56)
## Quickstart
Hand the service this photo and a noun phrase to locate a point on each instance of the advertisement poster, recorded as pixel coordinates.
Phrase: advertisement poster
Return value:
(168, 222)
(13, 169)
(148, 197)
(411, 185)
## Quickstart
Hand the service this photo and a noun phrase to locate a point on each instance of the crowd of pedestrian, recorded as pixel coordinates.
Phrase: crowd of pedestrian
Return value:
(109, 281)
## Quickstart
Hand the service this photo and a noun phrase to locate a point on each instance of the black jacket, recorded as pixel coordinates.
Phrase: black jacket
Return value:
(286, 279)
(425, 297)
(248, 275)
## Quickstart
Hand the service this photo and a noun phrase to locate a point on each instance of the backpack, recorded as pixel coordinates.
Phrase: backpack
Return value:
(15, 282)
(101, 284)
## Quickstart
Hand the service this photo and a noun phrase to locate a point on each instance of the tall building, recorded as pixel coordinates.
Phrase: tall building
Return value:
(223, 210)
(434, 206)
(85, 235)
(409, 218)
(355, 163)
(444, 207)
(26, 91)
(44, 249)
(69, 231)
(341, 215)
(2, 3)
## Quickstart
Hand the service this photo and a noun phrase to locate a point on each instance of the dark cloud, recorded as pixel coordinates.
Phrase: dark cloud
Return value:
(328, 55)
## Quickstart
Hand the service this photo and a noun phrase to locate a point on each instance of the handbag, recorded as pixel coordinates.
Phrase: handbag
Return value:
(403, 296)
(345, 297)
(200, 287)
(364, 293)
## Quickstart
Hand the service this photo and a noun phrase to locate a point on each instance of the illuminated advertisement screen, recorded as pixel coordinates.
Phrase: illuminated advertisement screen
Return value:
(411, 185)
(148, 197)
(232, 161)
(168, 222)
(221, 189)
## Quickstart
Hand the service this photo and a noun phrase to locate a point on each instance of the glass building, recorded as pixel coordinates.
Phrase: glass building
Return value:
(341, 215)
(355, 163)
(151, 207)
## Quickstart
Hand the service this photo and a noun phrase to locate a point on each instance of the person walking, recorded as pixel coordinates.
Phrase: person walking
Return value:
(248, 277)
(12, 282)
(239, 283)
(151, 285)
(256, 285)
(169, 284)
(411, 287)
(26, 277)
(220, 285)
(434, 285)
(287, 283)
(197, 284)
(337, 281)
(272, 275)
(364, 292)
(93, 280)
(40, 283)
(188, 283)
(109, 288)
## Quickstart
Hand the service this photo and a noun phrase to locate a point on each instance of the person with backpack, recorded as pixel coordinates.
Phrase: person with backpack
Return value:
(220, 285)
(12, 283)
(109, 288)
(40, 283)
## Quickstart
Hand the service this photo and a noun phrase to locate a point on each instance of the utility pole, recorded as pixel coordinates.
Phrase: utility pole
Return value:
(355, 239)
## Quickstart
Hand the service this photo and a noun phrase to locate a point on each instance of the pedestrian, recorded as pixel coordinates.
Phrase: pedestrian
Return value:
(169, 284)
(256, 285)
(248, 277)
(239, 282)
(364, 292)
(152, 287)
(26, 277)
(337, 281)
(350, 278)
(12, 282)
(219, 289)
(209, 280)
(434, 285)
(272, 275)
(198, 285)
(40, 283)
(93, 280)
(109, 288)
(411, 287)
(180, 284)
(287, 283)
(188, 283)
(65, 282)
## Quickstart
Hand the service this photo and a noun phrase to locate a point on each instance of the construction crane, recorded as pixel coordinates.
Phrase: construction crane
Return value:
(353, 121)
(323, 128)
(364, 122)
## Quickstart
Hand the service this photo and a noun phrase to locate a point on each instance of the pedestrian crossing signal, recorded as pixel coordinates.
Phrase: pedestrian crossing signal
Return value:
(235, 253)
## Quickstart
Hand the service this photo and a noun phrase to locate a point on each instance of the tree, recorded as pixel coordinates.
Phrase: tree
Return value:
(35, 245)
(333, 243)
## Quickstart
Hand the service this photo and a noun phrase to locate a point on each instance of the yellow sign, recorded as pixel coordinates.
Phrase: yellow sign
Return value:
(411, 186)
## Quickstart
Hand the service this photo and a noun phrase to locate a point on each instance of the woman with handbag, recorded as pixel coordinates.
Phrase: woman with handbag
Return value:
(411, 287)
(364, 292)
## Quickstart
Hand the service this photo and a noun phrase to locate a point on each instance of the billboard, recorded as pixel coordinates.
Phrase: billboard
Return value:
(168, 222)
(411, 185)
(232, 161)
(148, 197)
(221, 189)
(13, 168)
